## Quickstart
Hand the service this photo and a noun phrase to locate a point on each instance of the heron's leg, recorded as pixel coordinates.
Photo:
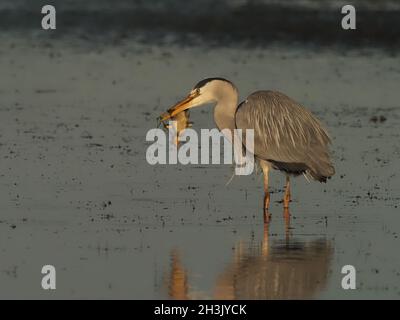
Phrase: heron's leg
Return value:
(267, 198)
(286, 198)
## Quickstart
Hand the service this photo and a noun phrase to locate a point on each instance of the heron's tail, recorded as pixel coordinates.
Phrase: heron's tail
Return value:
(320, 167)
(322, 171)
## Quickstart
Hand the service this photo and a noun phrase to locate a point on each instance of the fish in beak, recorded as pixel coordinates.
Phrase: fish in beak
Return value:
(183, 105)
(180, 115)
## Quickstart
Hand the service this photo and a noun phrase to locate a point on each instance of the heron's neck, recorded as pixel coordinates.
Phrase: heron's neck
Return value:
(225, 109)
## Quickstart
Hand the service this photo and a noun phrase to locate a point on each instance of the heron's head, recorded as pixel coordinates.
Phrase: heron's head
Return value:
(204, 92)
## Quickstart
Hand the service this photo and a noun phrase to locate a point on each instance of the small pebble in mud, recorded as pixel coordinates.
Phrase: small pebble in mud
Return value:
(106, 204)
(376, 119)
(86, 135)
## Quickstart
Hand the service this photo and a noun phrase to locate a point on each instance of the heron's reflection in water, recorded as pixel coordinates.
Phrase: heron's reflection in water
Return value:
(279, 269)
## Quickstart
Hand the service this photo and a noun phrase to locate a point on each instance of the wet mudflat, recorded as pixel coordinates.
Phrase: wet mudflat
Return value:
(76, 190)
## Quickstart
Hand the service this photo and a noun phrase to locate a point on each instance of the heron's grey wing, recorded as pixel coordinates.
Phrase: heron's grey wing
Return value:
(287, 133)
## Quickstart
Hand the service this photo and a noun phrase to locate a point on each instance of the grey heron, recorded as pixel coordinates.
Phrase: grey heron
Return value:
(287, 136)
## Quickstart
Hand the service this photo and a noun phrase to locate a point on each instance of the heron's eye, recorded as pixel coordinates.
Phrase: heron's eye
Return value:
(198, 91)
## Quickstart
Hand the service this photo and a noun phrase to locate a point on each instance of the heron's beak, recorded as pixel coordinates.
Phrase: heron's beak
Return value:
(183, 105)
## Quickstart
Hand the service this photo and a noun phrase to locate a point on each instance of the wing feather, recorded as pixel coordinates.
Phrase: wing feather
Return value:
(285, 132)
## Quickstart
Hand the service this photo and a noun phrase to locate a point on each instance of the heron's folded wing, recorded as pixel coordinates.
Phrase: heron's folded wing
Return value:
(284, 131)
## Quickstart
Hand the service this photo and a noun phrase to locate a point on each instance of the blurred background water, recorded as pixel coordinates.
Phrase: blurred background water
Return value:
(197, 6)
(253, 22)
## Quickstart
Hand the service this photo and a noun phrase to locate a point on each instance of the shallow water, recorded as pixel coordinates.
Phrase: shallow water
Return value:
(76, 190)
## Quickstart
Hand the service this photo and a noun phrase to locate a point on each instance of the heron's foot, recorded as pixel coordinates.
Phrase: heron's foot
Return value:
(286, 214)
(286, 200)
(267, 216)
(267, 200)
(286, 203)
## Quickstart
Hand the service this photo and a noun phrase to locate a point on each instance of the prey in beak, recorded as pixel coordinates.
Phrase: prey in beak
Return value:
(183, 105)
(179, 114)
